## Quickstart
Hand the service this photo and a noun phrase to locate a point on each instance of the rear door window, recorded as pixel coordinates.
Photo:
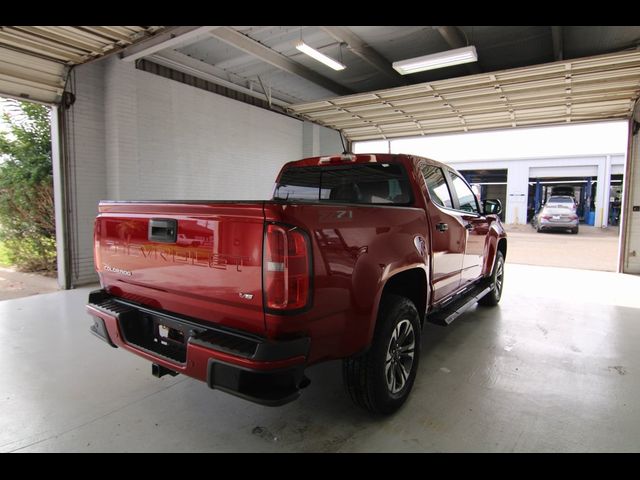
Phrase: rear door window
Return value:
(437, 186)
(377, 184)
(301, 184)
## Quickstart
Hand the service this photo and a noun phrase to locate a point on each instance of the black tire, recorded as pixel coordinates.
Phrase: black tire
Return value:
(497, 278)
(575, 230)
(366, 377)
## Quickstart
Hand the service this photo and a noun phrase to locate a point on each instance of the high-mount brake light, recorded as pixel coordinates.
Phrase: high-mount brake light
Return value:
(345, 157)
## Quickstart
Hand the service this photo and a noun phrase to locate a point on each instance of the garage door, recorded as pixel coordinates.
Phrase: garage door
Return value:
(586, 89)
(34, 61)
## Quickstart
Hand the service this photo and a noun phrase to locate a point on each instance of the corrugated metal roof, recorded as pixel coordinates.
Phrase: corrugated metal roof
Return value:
(34, 60)
(586, 89)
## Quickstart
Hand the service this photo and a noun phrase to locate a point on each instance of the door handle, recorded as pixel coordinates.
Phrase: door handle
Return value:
(469, 226)
(442, 227)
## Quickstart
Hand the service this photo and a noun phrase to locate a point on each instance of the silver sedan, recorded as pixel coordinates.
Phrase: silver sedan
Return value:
(556, 218)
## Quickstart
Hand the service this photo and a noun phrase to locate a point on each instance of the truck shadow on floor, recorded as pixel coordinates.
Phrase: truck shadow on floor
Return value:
(324, 419)
(327, 377)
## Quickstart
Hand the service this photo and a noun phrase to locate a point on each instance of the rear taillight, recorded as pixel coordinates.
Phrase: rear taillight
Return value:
(286, 266)
(546, 217)
(96, 245)
(573, 217)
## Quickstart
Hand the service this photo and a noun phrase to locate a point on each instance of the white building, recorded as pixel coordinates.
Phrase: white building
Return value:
(579, 152)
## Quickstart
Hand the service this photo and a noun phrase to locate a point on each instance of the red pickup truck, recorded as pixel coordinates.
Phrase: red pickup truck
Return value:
(349, 258)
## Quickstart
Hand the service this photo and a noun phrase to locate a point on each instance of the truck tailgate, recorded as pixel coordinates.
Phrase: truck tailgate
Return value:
(202, 260)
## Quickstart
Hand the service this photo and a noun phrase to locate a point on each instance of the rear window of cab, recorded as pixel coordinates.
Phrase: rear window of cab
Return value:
(372, 184)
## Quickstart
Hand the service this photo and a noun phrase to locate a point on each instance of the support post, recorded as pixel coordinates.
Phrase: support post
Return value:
(517, 194)
(59, 198)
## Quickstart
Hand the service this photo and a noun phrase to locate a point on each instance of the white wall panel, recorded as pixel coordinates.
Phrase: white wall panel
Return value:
(330, 141)
(564, 171)
(318, 140)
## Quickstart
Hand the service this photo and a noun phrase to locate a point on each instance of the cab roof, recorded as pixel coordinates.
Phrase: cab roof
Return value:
(358, 158)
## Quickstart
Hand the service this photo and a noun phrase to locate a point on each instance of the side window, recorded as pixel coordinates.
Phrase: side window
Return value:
(466, 197)
(437, 186)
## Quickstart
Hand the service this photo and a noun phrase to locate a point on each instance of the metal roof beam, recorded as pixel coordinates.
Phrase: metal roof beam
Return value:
(167, 39)
(365, 52)
(455, 39)
(191, 66)
(558, 46)
(258, 50)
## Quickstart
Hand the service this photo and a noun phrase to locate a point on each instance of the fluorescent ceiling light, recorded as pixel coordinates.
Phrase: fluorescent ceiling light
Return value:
(321, 57)
(437, 60)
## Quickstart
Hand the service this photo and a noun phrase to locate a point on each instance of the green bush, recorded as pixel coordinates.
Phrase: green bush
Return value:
(27, 221)
(5, 261)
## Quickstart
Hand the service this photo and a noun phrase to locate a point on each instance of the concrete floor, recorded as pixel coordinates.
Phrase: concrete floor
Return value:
(592, 248)
(554, 368)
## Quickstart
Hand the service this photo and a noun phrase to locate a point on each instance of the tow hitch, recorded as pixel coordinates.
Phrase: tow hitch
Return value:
(160, 371)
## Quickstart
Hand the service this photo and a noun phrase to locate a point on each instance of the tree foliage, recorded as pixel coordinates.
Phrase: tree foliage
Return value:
(27, 220)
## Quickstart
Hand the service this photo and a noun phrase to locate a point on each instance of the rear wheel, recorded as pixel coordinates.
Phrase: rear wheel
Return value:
(381, 379)
(575, 230)
(497, 278)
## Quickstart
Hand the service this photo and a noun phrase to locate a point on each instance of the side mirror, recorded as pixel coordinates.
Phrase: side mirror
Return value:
(492, 206)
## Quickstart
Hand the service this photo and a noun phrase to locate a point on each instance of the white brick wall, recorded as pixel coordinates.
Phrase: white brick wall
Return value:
(168, 140)
(142, 136)
(121, 135)
(87, 169)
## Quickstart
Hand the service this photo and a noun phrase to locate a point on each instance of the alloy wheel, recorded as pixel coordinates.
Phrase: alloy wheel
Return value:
(399, 358)
(499, 279)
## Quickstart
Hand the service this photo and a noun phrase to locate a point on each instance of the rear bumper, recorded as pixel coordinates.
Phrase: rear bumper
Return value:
(547, 225)
(262, 371)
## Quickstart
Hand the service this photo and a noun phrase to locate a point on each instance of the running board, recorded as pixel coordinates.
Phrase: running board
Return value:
(450, 312)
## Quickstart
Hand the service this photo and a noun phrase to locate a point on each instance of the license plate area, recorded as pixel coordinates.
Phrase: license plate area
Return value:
(169, 335)
(157, 334)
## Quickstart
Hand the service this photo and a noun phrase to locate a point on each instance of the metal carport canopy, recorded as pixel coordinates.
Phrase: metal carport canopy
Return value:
(34, 61)
(577, 90)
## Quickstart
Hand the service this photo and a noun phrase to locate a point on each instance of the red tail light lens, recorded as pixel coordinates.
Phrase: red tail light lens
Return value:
(97, 258)
(286, 268)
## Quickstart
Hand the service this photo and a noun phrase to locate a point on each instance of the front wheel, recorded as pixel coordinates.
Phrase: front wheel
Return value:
(381, 379)
(497, 279)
